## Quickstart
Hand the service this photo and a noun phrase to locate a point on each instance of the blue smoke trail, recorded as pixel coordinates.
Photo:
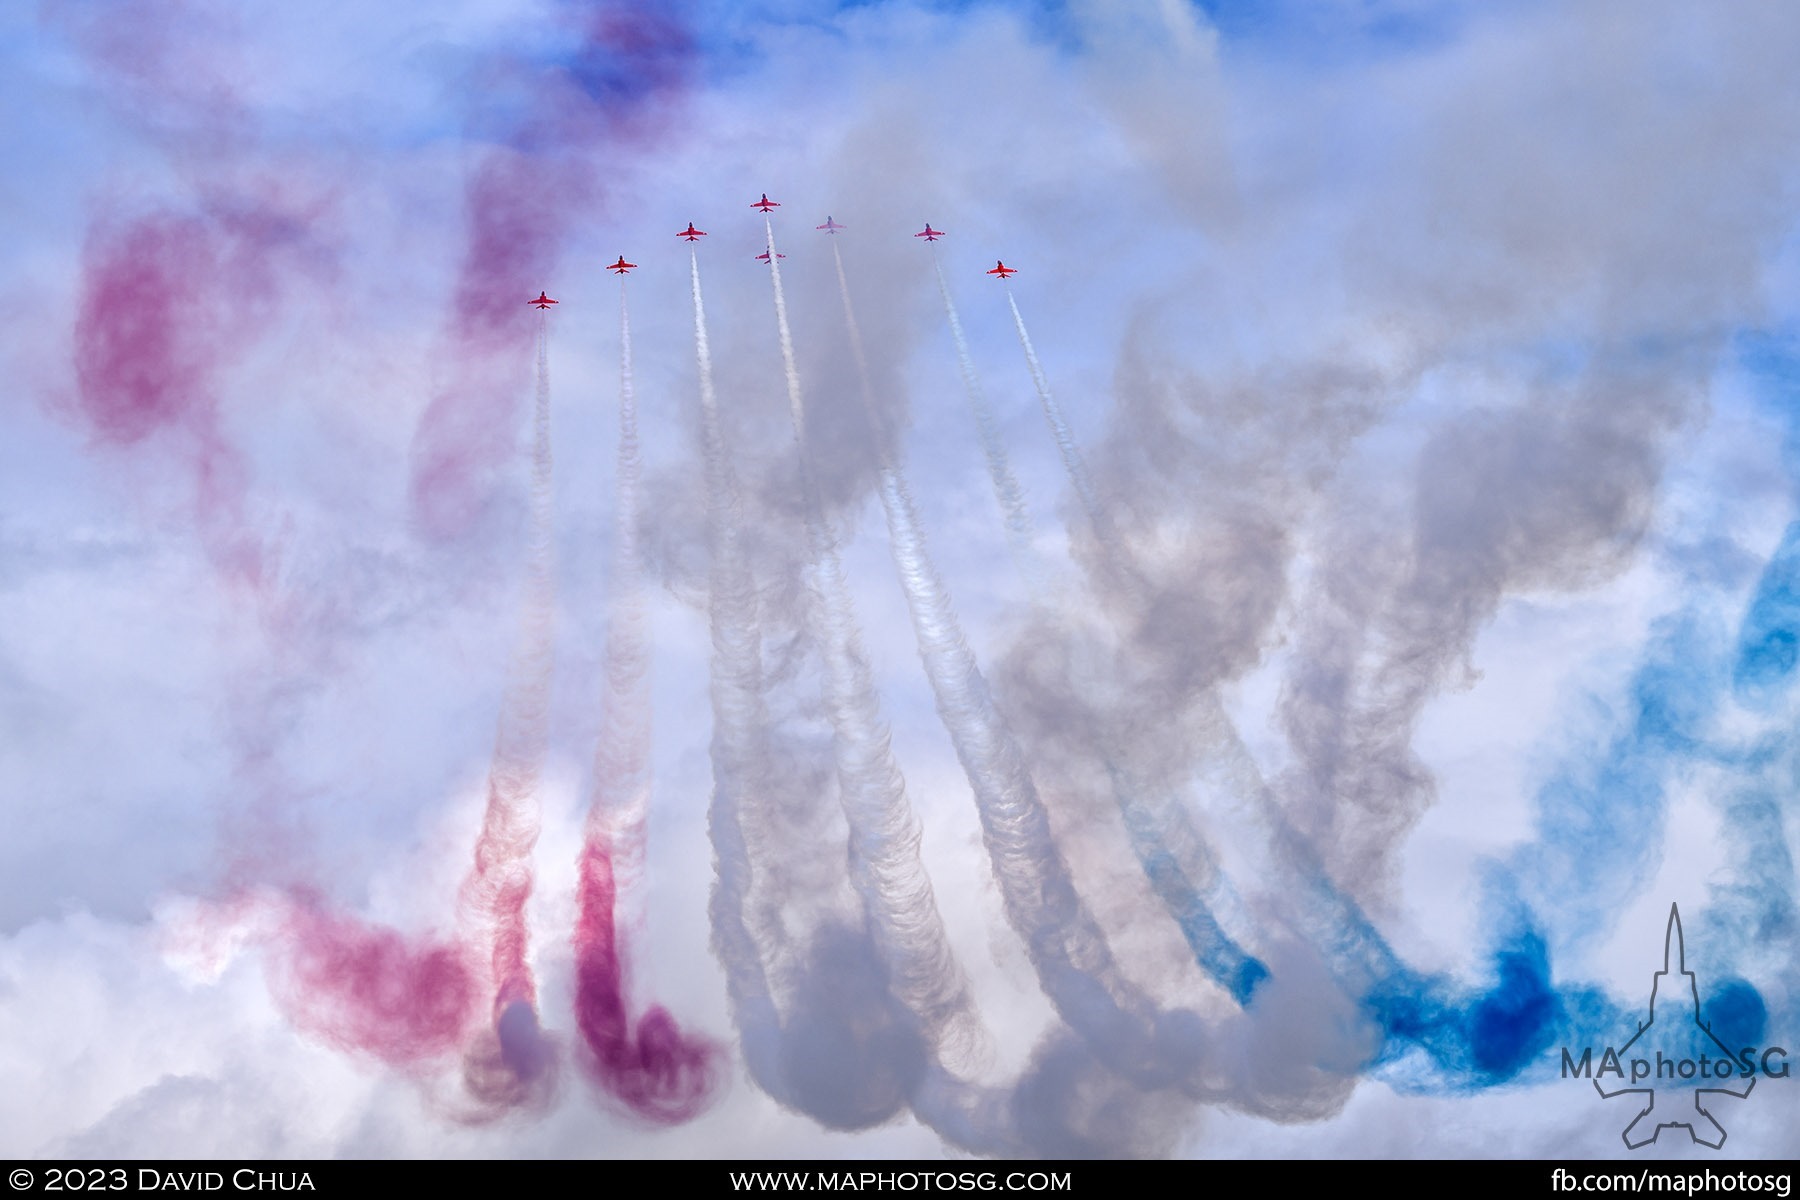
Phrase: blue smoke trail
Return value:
(1753, 911)
(1156, 821)
(1151, 831)
(1425, 1033)
(1601, 822)
(1769, 642)
(1756, 907)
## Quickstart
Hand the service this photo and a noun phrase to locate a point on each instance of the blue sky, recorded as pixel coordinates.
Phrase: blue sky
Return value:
(1432, 367)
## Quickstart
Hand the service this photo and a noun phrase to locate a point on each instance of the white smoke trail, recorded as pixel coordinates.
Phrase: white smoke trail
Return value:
(795, 408)
(885, 833)
(741, 771)
(621, 796)
(1132, 1047)
(1065, 438)
(1066, 945)
(1019, 530)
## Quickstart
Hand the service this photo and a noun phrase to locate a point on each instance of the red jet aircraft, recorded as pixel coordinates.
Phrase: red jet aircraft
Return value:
(621, 266)
(766, 204)
(690, 233)
(930, 234)
(542, 301)
(1002, 270)
(830, 226)
(764, 256)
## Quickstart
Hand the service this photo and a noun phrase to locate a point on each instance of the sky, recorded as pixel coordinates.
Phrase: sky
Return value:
(1258, 681)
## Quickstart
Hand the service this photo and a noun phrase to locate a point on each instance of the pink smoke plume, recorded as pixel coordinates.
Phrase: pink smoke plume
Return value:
(370, 990)
(162, 315)
(146, 342)
(172, 300)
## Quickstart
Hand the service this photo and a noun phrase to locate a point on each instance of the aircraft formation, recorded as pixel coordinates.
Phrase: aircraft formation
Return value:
(999, 270)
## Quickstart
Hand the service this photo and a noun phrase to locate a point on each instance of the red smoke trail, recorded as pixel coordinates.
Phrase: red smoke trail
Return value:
(626, 66)
(498, 887)
(521, 201)
(658, 1073)
(170, 301)
(518, 209)
(372, 991)
(163, 312)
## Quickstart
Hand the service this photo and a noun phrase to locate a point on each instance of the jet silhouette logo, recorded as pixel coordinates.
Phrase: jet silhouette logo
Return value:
(1691, 1067)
